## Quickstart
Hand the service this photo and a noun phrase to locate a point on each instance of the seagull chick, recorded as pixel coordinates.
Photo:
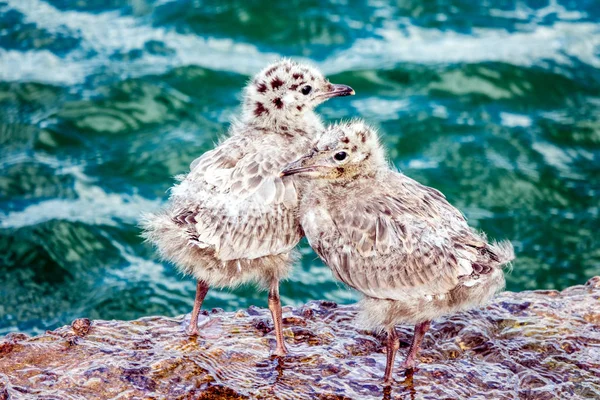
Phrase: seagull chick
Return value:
(400, 243)
(232, 219)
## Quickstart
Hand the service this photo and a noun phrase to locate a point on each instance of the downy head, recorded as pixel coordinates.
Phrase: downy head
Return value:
(285, 94)
(344, 152)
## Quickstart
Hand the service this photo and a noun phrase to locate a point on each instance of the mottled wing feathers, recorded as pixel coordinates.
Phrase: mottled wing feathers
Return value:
(420, 200)
(226, 156)
(257, 176)
(234, 201)
(235, 235)
(387, 244)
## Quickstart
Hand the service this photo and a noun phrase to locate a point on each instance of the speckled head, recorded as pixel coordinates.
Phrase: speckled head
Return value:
(286, 90)
(344, 151)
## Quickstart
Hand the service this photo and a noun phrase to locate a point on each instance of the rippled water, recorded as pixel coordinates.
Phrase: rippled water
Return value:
(531, 346)
(102, 102)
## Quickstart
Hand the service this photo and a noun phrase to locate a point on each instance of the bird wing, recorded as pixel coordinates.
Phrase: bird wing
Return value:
(234, 201)
(388, 245)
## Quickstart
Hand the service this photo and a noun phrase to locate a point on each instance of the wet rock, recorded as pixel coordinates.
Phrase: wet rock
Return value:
(220, 392)
(529, 345)
(328, 304)
(6, 347)
(307, 313)
(253, 310)
(81, 326)
(262, 326)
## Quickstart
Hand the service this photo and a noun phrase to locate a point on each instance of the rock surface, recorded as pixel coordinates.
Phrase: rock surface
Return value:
(528, 345)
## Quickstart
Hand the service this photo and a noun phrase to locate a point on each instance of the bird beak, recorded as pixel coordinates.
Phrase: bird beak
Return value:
(297, 167)
(338, 91)
(294, 171)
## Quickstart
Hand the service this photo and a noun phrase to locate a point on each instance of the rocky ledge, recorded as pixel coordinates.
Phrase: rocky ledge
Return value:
(528, 345)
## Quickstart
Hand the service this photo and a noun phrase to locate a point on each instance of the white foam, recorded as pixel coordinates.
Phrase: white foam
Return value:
(93, 206)
(524, 13)
(39, 66)
(558, 157)
(415, 44)
(382, 108)
(398, 41)
(107, 33)
(423, 164)
(515, 120)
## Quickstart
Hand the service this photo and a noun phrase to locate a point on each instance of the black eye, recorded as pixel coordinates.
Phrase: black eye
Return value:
(306, 90)
(341, 156)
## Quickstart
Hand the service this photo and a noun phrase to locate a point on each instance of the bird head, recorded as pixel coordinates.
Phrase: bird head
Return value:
(343, 152)
(286, 90)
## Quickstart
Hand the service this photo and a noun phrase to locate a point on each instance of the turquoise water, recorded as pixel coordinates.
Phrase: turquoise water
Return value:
(103, 102)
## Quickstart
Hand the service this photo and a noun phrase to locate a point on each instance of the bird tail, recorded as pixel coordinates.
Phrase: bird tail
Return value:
(501, 252)
(160, 230)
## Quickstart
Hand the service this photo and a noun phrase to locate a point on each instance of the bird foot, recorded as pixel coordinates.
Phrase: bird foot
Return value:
(280, 352)
(192, 331)
(193, 328)
(388, 381)
(408, 364)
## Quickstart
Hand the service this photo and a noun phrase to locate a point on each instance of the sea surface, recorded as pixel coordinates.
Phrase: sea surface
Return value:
(495, 103)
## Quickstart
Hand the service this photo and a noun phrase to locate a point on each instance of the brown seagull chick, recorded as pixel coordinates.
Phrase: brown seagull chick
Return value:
(400, 243)
(232, 219)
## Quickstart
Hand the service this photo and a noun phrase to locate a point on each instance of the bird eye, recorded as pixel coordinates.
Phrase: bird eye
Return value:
(341, 156)
(306, 90)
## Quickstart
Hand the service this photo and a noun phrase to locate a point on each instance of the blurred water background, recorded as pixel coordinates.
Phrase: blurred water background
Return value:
(495, 103)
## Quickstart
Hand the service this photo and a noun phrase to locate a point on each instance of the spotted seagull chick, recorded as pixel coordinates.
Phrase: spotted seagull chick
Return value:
(283, 96)
(410, 253)
(232, 219)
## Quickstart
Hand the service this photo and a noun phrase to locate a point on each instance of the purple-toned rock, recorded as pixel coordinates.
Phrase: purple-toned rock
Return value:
(528, 345)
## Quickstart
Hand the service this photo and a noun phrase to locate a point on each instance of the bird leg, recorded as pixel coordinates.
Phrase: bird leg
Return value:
(201, 290)
(392, 346)
(275, 307)
(415, 346)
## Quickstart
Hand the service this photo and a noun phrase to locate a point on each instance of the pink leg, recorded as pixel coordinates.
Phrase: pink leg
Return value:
(392, 346)
(275, 307)
(201, 290)
(415, 346)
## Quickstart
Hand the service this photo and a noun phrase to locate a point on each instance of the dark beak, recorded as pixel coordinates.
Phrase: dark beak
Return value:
(338, 91)
(297, 167)
(294, 171)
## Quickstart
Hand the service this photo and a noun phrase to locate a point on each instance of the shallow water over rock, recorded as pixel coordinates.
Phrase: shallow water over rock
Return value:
(528, 345)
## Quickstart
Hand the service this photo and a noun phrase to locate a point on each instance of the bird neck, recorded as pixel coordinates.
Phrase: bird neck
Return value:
(348, 178)
(306, 124)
